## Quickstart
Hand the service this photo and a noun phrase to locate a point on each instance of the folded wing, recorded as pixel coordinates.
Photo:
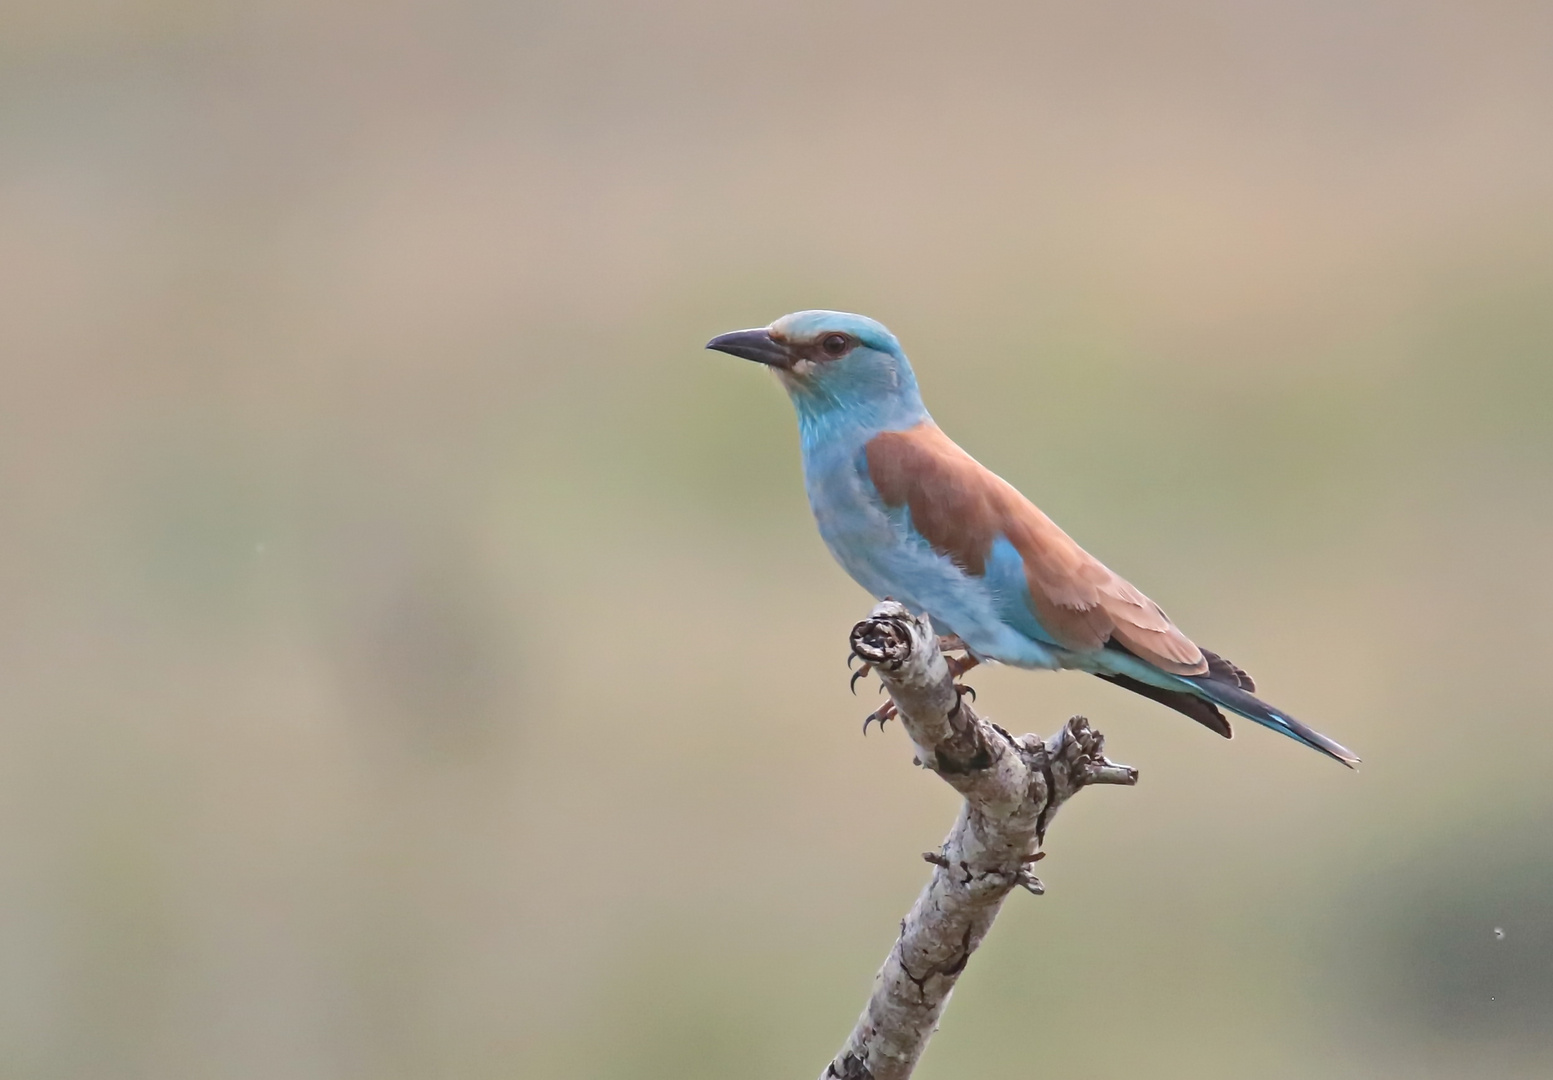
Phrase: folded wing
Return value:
(961, 508)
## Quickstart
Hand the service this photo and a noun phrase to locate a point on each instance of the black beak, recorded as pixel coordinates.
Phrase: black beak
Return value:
(756, 345)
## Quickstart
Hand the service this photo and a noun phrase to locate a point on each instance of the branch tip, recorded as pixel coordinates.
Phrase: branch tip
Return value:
(884, 638)
(1108, 772)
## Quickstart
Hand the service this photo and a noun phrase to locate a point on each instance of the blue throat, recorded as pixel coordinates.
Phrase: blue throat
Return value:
(851, 412)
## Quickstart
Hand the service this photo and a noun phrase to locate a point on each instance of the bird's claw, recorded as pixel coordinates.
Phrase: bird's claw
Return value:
(960, 690)
(882, 714)
(861, 673)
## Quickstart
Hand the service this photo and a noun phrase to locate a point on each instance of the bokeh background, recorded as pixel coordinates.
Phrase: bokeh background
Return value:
(418, 660)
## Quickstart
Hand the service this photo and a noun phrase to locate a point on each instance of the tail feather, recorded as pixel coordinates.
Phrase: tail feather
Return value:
(1227, 671)
(1251, 707)
(1182, 701)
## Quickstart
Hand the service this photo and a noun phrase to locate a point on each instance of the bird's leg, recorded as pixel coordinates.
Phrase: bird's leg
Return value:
(952, 643)
(959, 665)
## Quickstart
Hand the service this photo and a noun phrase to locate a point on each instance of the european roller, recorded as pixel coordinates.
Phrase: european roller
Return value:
(912, 516)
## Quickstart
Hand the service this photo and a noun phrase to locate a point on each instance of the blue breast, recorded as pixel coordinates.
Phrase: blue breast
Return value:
(878, 546)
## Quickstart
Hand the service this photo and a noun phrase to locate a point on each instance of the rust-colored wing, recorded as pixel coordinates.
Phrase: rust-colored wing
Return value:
(960, 508)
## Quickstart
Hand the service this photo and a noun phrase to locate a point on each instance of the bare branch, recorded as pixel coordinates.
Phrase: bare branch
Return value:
(1012, 788)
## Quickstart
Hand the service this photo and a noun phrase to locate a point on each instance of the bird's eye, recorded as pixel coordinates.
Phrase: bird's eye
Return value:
(834, 344)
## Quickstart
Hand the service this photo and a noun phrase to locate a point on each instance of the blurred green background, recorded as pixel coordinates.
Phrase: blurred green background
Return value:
(418, 658)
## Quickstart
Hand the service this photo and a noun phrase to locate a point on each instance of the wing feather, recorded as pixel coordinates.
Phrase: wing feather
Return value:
(960, 508)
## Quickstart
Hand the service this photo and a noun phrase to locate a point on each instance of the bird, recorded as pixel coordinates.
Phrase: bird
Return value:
(913, 517)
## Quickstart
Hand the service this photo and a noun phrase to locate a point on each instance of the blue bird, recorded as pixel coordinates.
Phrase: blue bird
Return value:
(912, 516)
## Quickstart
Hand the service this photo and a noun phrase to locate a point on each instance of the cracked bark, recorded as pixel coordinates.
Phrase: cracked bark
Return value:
(1011, 786)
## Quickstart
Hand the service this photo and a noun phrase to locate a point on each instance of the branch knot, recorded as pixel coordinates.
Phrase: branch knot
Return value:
(884, 639)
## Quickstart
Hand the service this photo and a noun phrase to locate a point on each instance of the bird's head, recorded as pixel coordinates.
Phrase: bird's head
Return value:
(830, 360)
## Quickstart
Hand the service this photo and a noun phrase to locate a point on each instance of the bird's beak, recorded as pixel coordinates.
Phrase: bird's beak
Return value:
(757, 345)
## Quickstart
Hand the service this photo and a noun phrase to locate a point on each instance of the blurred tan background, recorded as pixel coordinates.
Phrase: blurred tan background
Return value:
(418, 658)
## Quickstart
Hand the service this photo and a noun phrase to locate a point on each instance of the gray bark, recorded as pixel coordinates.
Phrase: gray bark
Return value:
(1012, 788)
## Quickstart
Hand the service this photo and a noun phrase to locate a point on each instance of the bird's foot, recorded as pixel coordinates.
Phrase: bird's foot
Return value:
(861, 673)
(883, 713)
(958, 665)
(960, 690)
